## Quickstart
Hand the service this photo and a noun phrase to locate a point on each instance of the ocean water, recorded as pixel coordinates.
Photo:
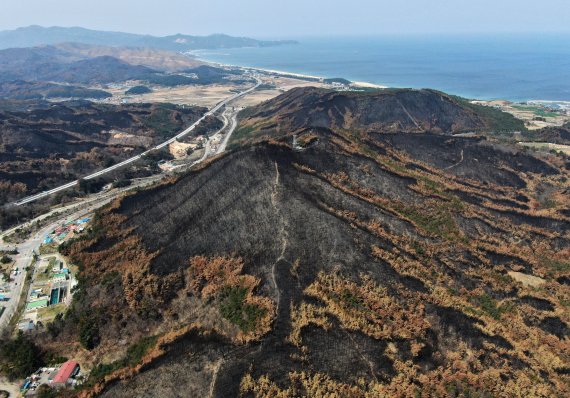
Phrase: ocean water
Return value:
(517, 68)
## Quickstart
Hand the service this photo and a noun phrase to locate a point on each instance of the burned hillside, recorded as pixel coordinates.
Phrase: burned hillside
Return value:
(343, 261)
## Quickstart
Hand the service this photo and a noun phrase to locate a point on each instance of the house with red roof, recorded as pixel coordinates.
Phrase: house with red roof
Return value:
(67, 371)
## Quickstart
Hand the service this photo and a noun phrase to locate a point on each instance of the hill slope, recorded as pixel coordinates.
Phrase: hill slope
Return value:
(368, 264)
(151, 58)
(22, 90)
(556, 135)
(48, 144)
(393, 110)
(54, 64)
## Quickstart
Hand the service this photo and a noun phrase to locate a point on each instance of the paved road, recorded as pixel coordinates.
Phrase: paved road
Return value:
(24, 259)
(13, 389)
(138, 157)
(233, 125)
(32, 244)
(94, 198)
(230, 119)
(26, 249)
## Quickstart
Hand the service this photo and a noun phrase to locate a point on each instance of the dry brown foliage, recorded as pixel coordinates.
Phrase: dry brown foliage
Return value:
(366, 307)
(207, 276)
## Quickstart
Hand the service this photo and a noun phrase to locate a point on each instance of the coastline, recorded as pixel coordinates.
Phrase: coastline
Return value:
(318, 59)
(283, 73)
(562, 104)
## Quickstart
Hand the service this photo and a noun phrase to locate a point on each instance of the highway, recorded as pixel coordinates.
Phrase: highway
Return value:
(31, 245)
(138, 157)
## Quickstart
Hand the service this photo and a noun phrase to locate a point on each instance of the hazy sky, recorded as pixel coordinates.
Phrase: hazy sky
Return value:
(289, 18)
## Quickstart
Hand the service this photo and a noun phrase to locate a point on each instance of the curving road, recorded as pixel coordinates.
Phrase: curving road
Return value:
(31, 245)
(138, 157)
(233, 125)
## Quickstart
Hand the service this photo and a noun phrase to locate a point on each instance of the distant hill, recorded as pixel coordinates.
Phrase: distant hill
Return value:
(22, 90)
(391, 110)
(53, 64)
(83, 65)
(98, 70)
(138, 90)
(23, 63)
(151, 58)
(37, 35)
(555, 135)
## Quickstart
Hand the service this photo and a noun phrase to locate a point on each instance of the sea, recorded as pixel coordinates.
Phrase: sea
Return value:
(511, 67)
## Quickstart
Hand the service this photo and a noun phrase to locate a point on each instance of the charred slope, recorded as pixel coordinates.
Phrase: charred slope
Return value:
(556, 135)
(45, 145)
(22, 90)
(348, 266)
(392, 110)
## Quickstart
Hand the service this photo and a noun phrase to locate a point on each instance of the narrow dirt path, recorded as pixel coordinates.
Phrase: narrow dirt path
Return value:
(456, 164)
(409, 115)
(231, 369)
(282, 236)
(215, 377)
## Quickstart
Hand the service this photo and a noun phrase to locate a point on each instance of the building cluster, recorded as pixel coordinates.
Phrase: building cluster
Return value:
(51, 286)
(52, 280)
(67, 374)
(65, 231)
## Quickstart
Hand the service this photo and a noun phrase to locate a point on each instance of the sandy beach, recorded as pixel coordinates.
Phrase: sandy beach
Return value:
(284, 73)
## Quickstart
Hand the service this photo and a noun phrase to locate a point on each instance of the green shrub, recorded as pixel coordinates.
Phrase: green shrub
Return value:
(19, 357)
(88, 331)
(137, 351)
(352, 300)
(234, 308)
(495, 119)
(121, 183)
(134, 355)
(489, 306)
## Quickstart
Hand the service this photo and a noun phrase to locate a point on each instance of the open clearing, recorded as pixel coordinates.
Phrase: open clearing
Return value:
(547, 146)
(205, 95)
(525, 279)
(535, 117)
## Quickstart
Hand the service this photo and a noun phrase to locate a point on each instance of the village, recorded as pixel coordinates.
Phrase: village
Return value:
(52, 280)
(52, 284)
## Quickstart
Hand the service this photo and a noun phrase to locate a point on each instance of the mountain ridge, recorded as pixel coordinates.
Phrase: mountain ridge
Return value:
(37, 35)
(49, 63)
(385, 110)
(375, 263)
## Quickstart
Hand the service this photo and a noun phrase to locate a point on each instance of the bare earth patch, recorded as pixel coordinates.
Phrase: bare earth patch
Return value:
(525, 279)
(179, 149)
